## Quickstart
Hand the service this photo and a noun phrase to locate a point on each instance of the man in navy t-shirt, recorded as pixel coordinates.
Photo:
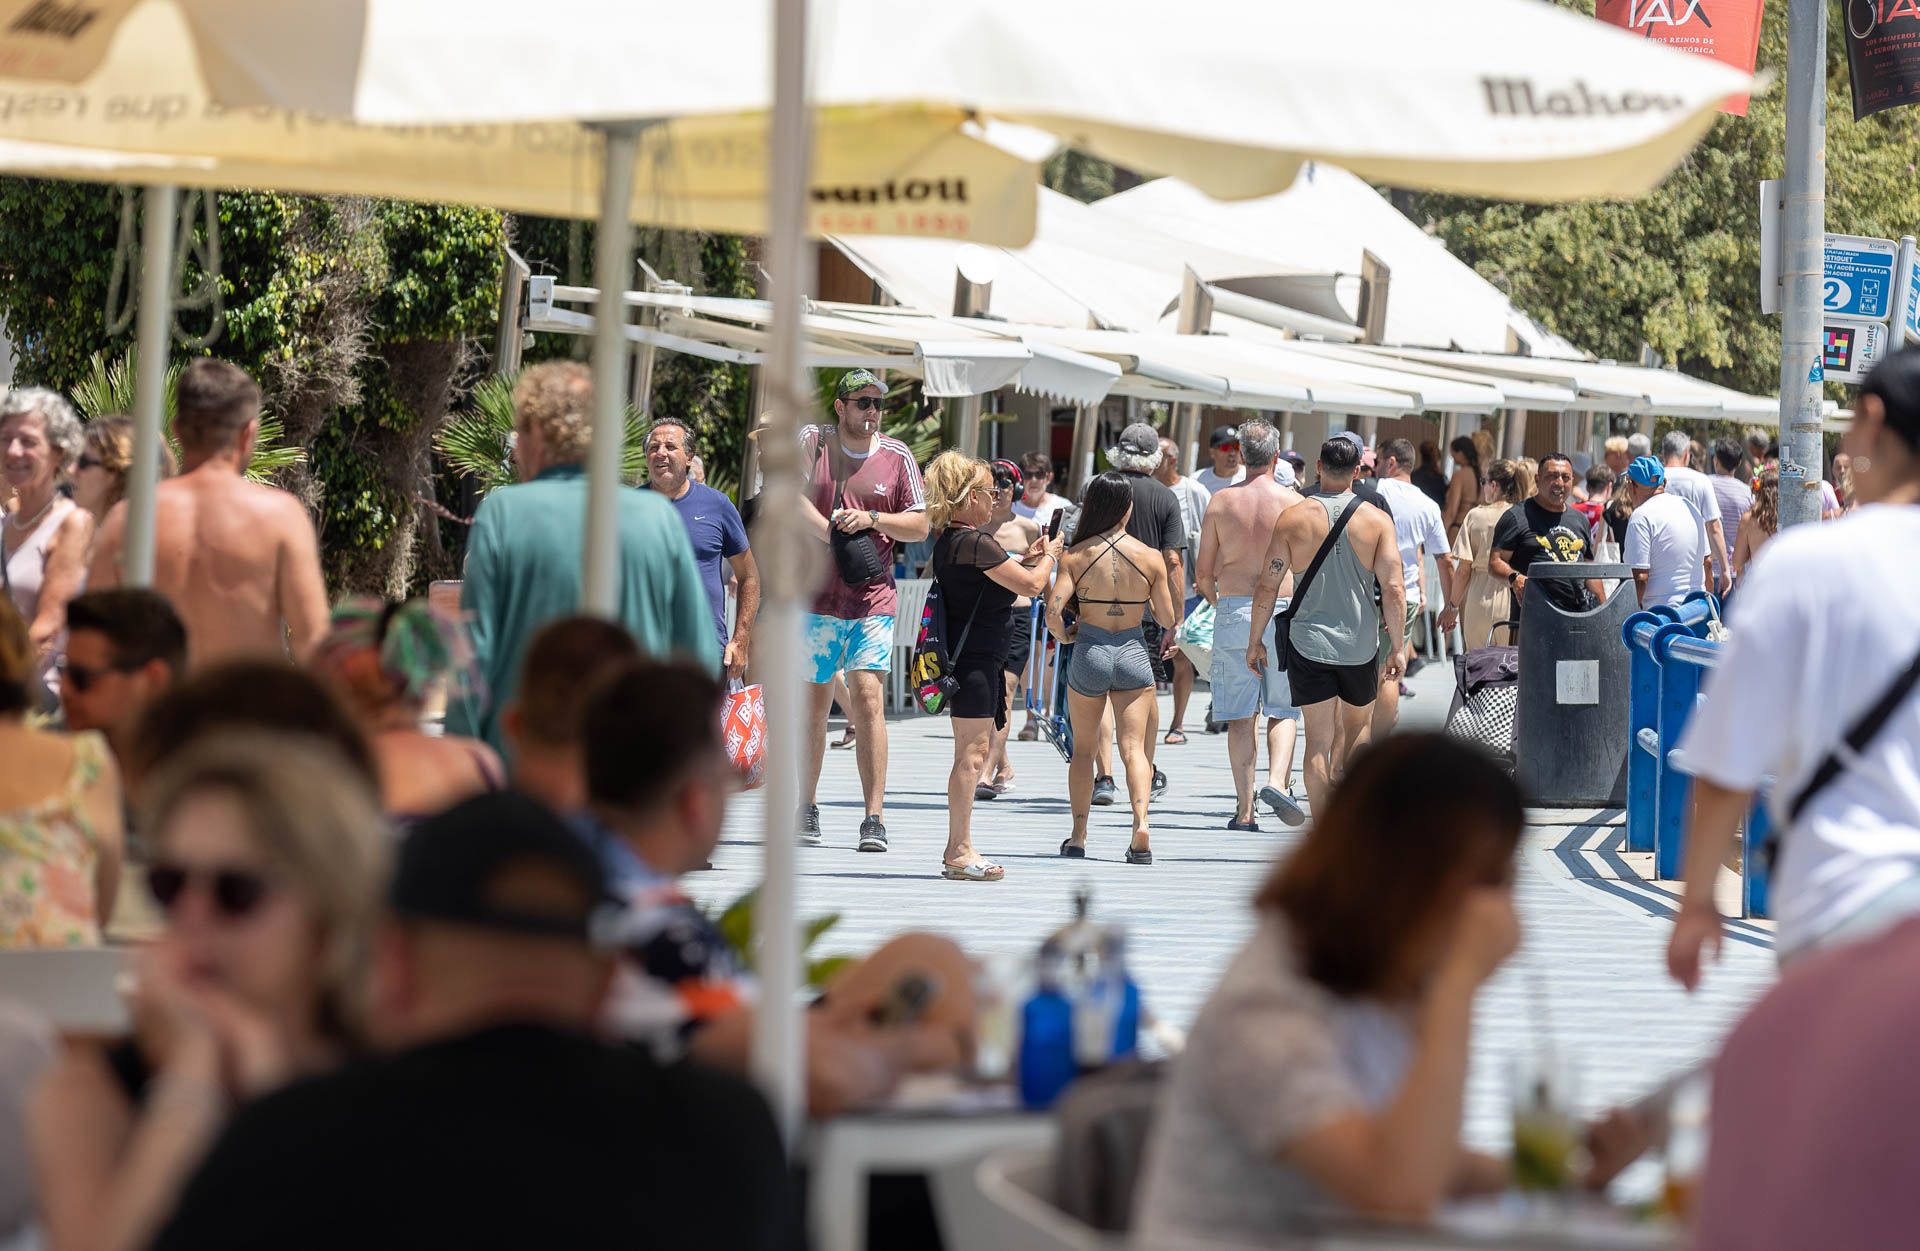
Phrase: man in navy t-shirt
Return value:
(714, 526)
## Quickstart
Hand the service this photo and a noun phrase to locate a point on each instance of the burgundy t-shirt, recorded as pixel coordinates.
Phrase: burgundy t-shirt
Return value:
(884, 480)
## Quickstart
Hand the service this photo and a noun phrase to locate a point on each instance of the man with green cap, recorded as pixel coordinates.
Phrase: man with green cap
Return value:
(864, 495)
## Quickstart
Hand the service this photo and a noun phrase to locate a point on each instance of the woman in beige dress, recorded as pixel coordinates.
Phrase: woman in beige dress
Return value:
(1487, 600)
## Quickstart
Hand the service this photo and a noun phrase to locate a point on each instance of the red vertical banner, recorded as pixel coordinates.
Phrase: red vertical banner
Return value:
(1726, 30)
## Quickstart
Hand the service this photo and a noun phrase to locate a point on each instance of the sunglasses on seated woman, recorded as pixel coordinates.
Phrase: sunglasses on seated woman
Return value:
(235, 892)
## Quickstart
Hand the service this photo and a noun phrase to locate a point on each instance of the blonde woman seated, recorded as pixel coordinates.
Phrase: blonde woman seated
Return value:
(1328, 1068)
(1107, 580)
(268, 859)
(386, 660)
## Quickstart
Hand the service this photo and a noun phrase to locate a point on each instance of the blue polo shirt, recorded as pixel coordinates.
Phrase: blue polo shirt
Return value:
(717, 533)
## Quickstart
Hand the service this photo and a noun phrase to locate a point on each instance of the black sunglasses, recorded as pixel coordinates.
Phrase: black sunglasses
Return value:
(866, 403)
(83, 678)
(89, 462)
(235, 892)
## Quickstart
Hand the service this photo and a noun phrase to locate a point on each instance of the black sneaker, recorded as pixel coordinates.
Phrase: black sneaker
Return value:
(1103, 792)
(873, 835)
(810, 825)
(1159, 784)
(1283, 804)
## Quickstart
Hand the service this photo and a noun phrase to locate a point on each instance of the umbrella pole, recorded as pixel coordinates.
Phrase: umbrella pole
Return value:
(612, 250)
(151, 338)
(790, 568)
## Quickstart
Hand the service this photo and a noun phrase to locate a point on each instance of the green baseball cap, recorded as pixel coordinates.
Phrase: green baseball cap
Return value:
(855, 380)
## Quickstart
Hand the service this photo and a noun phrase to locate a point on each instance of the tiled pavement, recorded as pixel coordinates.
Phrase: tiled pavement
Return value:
(1591, 969)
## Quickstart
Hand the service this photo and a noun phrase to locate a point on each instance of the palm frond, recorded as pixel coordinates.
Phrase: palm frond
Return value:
(109, 390)
(475, 442)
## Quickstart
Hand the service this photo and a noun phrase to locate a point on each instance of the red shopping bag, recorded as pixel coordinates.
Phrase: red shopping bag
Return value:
(745, 728)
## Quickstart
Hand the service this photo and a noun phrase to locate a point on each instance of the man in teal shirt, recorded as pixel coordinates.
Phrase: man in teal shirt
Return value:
(523, 553)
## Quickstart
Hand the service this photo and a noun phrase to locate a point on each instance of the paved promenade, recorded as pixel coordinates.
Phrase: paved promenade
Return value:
(1592, 968)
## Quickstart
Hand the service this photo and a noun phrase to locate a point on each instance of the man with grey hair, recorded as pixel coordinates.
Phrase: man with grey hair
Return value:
(1233, 547)
(1156, 522)
(1638, 445)
(1676, 449)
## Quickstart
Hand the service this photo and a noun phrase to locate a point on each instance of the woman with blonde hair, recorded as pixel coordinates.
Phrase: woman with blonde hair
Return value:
(60, 815)
(1762, 520)
(267, 861)
(106, 457)
(387, 661)
(978, 582)
(1484, 600)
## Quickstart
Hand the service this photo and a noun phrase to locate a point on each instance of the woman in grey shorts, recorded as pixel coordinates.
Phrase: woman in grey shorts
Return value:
(1107, 579)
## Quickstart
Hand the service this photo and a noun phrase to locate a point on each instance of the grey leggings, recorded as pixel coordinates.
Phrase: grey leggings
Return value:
(1109, 660)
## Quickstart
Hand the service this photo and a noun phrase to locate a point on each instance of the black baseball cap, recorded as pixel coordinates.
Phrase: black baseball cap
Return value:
(1225, 436)
(452, 868)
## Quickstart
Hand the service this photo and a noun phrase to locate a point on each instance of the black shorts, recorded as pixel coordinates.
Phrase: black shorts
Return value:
(1154, 633)
(1019, 639)
(983, 689)
(1315, 683)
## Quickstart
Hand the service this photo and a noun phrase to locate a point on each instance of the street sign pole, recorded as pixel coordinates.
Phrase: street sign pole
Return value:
(1804, 261)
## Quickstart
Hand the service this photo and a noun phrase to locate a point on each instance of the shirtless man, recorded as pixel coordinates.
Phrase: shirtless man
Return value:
(239, 561)
(1233, 548)
(1009, 528)
(1337, 656)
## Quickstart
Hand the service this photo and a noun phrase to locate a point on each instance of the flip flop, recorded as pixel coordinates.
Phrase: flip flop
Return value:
(1071, 852)
(844, 741)
(1175, 738)
(1139, 856)
(978, 871)
(985, 790)
(1243, 827)
(1029, 733)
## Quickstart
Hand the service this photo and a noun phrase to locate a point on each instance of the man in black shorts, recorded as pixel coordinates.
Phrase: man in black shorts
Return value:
(1336, 658)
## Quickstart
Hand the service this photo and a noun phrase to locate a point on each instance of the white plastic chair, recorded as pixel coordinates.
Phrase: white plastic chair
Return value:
(911, 600)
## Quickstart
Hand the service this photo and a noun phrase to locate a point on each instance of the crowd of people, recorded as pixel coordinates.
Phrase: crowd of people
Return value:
(434, 960)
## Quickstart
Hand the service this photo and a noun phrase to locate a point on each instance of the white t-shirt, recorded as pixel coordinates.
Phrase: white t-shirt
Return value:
(1697, 489)
(1041, 515)
(1214, 482)
(1416, 525)
(1669, 540)
(1825, 618)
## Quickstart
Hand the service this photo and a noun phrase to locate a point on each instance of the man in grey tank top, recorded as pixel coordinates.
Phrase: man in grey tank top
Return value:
(1336, 663)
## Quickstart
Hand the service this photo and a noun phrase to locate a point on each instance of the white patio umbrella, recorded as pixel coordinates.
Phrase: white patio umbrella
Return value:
(1468, 97)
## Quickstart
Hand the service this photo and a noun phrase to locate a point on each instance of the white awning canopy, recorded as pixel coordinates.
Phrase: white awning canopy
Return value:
(1605, 387)
(1324, 224)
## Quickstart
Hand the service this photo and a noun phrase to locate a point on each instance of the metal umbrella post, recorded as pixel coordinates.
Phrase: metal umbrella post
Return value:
(612, 246)
(151, 336)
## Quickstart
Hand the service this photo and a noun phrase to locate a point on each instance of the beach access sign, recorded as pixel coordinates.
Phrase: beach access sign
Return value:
(1725, 30)
(1883, 54)
(1869, 292)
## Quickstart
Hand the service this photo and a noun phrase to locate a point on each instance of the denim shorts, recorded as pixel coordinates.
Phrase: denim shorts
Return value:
(833, 645)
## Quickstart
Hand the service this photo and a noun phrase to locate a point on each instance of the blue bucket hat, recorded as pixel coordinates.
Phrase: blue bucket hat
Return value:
(1647, 472)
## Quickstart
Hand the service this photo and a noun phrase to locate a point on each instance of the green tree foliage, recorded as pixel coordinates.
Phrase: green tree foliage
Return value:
(108, 390)
(1679, 269)
(474, 441)
(355, 316)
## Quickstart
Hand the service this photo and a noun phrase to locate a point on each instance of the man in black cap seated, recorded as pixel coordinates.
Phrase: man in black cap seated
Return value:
(498, 1119)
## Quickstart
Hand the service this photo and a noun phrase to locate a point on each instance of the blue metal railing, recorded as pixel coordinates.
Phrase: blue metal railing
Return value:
(1670, 657)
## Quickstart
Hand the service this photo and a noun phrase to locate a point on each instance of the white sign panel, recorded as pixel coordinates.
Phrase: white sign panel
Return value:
(1576, 682)
(1848, 349)
(1859, 277)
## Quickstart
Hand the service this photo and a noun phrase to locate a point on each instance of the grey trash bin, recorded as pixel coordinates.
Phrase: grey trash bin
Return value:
(1570, 732)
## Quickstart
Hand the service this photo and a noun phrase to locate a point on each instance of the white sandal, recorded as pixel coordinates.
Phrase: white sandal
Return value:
(978, 871)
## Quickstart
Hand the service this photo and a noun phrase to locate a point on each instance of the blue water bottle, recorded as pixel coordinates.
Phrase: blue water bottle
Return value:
(1126, 1025)
(1046, 1035)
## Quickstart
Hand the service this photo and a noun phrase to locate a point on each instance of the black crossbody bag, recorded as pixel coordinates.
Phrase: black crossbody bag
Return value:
(1283, 628)
(1858, 738)
(856, 557)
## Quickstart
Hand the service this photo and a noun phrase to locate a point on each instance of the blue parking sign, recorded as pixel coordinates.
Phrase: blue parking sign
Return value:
(1859, 277)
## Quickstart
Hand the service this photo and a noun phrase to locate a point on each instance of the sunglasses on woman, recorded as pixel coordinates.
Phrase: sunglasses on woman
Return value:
(90, 462)
(235, 893)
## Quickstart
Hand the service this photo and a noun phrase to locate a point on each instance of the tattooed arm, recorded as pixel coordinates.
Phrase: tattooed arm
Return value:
(1264, 597)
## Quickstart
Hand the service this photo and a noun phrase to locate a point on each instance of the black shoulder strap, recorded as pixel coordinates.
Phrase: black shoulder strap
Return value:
(836, 457)
(1863, 732)
(953, 652)
(1320, 557)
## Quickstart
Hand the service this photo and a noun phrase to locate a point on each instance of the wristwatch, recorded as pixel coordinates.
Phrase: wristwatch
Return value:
(1512, 577)
(875, 516)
